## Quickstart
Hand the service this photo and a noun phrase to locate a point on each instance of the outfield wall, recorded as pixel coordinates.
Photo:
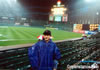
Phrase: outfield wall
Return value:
(39, 23)
(61, 26)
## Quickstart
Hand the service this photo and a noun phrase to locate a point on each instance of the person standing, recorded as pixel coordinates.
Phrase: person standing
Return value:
(44, 53)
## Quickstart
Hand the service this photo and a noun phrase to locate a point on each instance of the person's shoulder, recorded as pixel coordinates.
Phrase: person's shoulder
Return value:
(39, 42)
(53, 43)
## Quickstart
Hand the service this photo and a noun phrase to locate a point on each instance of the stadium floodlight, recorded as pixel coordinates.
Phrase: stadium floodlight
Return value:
(97, 13)
(15, 0)
(88, 1)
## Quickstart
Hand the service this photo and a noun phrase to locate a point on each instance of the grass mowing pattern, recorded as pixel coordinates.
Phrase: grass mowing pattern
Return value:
(24, 35)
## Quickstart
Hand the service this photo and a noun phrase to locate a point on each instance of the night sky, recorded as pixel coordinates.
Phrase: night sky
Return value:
(42, 8)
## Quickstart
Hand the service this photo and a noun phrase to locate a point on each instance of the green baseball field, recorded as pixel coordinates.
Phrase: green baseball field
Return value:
(24, 35)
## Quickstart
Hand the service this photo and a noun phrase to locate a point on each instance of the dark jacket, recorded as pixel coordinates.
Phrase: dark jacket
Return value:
(42, 55)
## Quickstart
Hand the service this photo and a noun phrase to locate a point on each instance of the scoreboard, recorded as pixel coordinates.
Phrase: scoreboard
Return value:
(82, 28)
(90, 27)
(58, 18)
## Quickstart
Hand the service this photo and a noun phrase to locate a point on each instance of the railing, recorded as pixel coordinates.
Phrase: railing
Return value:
(71, 52)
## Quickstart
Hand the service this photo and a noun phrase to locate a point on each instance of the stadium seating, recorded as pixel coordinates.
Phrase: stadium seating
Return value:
(81, 49)
(71, 53)
(95, 57)
(14, 59)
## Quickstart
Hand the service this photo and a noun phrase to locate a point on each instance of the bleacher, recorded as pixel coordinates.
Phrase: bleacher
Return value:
(93, 59)
(71, 52)
(14, 59)
(91, 55)
(76, 51)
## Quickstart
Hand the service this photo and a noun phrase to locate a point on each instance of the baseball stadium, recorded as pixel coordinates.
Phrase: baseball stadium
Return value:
(74, 26)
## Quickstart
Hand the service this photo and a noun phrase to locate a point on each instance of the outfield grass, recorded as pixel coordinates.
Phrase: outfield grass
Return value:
(24, 35)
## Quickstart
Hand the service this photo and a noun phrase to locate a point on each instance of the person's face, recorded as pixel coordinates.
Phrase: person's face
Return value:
(46, 37)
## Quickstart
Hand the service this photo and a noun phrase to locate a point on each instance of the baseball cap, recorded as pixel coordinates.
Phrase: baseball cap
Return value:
(47, 32)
